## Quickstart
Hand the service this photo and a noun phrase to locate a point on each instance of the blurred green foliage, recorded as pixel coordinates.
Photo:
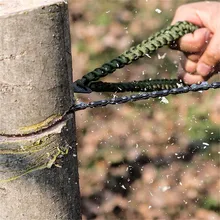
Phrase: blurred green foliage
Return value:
(211, 204)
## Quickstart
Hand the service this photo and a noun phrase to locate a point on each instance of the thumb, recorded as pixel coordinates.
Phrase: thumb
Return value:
(210, 57)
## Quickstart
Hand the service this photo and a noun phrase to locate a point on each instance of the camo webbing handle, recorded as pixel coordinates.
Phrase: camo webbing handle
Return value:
(147, 85)
(164, 37)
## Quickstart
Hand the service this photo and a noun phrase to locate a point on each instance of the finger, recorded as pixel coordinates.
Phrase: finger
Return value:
(193, 56)
(187, 13)
(211, 56)
(189, 78)
(188, 65)
(193, 42)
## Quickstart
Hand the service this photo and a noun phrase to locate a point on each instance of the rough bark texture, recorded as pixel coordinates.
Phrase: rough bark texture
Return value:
(38, 170)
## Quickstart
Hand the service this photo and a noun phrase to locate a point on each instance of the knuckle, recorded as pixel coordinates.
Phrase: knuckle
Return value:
(180, 9)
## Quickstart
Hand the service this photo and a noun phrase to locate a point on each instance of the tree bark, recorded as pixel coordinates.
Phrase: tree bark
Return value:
(38, 157)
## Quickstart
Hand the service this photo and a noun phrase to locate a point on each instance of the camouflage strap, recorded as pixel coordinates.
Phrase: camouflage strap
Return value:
(148, 85)
(164, 37)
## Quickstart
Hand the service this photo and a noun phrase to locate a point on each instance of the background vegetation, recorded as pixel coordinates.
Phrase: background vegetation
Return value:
(143, 160)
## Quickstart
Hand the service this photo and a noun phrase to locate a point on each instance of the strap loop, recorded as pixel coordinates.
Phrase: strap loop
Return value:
(164, 37)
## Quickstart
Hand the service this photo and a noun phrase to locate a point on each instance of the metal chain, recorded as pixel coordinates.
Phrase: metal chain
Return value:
(143, 96)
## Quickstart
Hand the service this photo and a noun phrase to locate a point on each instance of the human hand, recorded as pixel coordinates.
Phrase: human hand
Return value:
(201, 49)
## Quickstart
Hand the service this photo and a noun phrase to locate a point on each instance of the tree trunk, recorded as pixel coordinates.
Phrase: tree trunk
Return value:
(38, 158)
